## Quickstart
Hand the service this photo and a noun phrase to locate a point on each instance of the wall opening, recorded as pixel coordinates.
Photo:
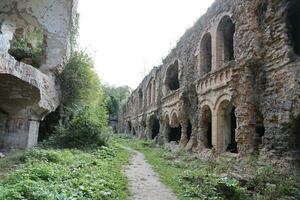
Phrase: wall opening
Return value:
(140, 99)
(294, 25)
(155, 128)
(129, 126)
(227, 124)
(149, 89)
(295, 139)
(259, 129)
(133, 131)
(47, 126)
(171, 80)
(175, 134)
(225, 42)
(189, 130)
(28, 45)
(232, 146)
(205, 54)
(206, 126)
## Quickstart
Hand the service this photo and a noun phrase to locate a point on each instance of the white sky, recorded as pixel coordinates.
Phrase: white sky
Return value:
(127, 38)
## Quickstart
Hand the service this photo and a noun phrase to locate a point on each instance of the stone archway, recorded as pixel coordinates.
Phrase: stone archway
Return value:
(226, 127)
(174, 134)
(206, 126)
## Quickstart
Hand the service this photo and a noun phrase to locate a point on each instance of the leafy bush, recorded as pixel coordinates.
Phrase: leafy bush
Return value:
(85, 122)
(85, 129)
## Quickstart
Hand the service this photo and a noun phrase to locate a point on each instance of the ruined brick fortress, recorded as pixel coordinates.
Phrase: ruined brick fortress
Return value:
(34, 45)
(232, 84)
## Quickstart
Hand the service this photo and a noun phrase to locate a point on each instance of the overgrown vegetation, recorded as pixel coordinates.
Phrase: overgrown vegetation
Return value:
(116, 97)
(48, 174)
(28, 46)
(224, 178)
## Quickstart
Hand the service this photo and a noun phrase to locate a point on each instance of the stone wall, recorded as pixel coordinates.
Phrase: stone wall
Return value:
(238, 84)
(34, 45)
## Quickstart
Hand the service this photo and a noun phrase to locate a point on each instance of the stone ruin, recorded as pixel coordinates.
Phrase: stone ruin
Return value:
(232, 84)
(34, 45)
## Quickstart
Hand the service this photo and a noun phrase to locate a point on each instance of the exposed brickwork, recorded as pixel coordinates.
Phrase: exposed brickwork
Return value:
(245, 99)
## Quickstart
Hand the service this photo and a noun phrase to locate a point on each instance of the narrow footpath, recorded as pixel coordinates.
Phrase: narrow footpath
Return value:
(144, 183)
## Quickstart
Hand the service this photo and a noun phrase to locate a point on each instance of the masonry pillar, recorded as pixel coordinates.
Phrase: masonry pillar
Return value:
(183, 140)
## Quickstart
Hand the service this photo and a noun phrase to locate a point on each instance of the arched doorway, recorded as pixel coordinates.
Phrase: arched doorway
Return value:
(174, 129)
(225, 46)
(155, 126)
(226, 126)
(206, 126)
(129, 126)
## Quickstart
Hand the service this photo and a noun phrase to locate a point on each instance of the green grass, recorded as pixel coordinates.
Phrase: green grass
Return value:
(53, 174)
(191, 178)
(10, 161)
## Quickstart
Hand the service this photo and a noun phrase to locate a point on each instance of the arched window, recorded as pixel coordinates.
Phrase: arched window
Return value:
(294, 25)
(225, 46)
(171, 80)
(205, 54)
(140, 99)
(149, 89)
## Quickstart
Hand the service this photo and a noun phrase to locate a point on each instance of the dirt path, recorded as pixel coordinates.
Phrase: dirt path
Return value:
(144, 183)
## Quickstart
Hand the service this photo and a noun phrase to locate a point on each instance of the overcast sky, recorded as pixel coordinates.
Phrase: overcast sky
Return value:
(128, 37)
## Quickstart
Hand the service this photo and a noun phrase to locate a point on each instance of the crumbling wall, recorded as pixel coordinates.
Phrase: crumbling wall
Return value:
(245, 99)
(34, 45)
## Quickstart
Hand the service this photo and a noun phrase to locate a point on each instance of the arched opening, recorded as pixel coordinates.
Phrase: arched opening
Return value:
(259, 129)
(206, 126)
(294, 25)
(155, 128)
(189, 130)
(140, 99)
(225, 46)
(154, 91)
(175, 129)
(133, 131)
(226, 127)
(232, 146)
(129, 126)
(295, 139)
(171, 80)
(149, 89)
(175, 134)
(205, 54)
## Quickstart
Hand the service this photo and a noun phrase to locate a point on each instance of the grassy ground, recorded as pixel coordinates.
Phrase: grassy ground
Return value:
(48, 174)
(223, 178)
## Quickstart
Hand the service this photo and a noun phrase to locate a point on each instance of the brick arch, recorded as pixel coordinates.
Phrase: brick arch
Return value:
(171, 78)
(174, 118)
(225, 40)
(225, 125)
(205, 56)
(220, 99)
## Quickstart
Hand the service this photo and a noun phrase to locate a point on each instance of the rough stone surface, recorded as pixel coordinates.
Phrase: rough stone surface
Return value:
(245, 99)
(28, 94)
